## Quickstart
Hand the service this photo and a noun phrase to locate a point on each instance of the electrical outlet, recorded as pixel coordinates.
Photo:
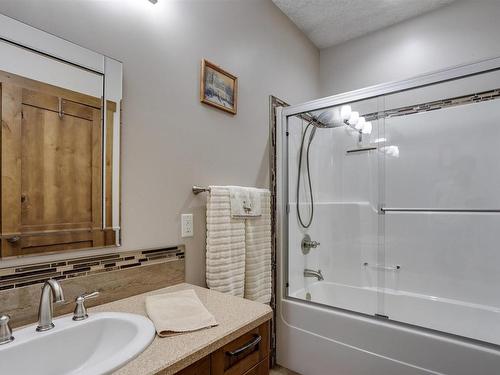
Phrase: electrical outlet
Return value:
(187, 225)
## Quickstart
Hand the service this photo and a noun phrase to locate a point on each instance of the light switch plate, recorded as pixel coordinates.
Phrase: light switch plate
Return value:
(187, 225)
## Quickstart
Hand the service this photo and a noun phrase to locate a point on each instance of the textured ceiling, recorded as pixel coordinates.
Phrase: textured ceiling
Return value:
(329, 22)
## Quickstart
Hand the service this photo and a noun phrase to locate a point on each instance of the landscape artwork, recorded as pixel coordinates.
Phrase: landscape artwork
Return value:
(218, 87)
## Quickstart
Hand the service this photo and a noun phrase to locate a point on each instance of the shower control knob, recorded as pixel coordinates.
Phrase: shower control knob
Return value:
(307, 244)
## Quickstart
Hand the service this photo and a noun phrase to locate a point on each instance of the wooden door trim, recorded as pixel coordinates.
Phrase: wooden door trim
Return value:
(34, 85)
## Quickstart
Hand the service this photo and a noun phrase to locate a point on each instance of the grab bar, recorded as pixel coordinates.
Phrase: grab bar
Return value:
(397, 267)
(398, 209)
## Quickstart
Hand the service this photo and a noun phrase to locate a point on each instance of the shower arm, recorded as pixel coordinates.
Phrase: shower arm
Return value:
(352, 127)
(359, 131)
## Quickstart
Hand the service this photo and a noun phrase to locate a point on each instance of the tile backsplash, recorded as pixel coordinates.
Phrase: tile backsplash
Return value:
(16, 277)
(115, 275)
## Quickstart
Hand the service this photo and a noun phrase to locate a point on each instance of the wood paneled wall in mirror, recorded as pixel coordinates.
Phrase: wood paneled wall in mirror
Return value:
(59, 157)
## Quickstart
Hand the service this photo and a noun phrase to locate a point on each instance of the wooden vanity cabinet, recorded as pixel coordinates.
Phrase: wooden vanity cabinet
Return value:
(245, 355)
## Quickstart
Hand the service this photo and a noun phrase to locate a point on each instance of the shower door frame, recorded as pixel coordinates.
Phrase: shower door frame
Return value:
(282, 115)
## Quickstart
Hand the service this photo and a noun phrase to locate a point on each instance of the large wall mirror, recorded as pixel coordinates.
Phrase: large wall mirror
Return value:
(60, 144)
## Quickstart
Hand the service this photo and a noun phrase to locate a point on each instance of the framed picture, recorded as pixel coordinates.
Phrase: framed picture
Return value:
(218, 88)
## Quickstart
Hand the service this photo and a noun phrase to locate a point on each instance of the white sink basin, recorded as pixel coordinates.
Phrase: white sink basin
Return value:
(98, 345)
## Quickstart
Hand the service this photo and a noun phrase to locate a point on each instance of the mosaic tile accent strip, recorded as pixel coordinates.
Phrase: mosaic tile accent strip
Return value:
(435, 105)
(17, 277)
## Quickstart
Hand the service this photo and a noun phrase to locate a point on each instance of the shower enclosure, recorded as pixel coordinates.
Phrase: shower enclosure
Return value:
(390, 216)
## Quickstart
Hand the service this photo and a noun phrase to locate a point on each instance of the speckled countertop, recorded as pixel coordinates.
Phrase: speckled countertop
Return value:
(169, 355)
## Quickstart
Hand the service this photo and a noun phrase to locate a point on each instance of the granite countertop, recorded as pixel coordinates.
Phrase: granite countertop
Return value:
(235, 316)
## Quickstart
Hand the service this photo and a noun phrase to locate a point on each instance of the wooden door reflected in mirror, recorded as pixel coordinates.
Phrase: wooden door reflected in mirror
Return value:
(57, 164)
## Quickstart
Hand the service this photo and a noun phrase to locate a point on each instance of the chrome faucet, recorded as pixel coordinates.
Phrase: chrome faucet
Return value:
(313, 273)
(51, 292)
(5, 330)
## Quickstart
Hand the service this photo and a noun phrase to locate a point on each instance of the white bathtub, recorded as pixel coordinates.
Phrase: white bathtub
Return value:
(319, 340)
(333, 294)
(482, 322)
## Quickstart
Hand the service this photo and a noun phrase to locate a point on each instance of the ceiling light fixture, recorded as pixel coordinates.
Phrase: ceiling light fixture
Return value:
(153, 1)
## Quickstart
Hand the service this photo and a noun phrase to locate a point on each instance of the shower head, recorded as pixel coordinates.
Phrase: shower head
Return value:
(333, 118)
(342, 116)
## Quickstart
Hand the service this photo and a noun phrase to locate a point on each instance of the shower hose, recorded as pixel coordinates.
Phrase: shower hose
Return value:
(311, 137)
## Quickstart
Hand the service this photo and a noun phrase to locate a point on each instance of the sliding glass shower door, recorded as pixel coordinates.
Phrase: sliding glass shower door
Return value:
(394, 207)
(332, 203)
(442, 207)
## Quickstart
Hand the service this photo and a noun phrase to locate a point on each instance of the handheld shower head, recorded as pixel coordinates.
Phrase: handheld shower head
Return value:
(333, 118)
(340, 116)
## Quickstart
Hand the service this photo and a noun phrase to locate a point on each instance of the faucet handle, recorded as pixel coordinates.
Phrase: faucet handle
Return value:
(86, 296)
(307, 244)
(80, 312)
(5, 330)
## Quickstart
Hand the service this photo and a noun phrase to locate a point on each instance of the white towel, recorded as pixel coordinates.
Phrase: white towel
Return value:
(245, 201)
(178, 312)
(238, 249)
(258, 279)
(225, 263)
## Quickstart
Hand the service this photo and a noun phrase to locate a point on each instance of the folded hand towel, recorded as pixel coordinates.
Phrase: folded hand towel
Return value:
(245, 202)
(177, 312)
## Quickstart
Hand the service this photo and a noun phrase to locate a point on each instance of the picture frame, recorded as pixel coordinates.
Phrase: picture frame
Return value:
(218, 88)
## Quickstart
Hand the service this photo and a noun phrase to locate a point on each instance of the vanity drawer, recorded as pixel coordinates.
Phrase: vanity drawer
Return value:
(261, 369)
(202, 367)
(242, 354)
(246, 355)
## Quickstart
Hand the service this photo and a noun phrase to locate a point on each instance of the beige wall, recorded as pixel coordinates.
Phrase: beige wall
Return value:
(170, 140)
(462, 32)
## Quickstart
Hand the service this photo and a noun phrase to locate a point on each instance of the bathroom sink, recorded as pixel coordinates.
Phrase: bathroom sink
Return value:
(98, 345)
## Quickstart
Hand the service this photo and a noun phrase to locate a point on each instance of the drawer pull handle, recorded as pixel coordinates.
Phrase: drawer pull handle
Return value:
(256, 339)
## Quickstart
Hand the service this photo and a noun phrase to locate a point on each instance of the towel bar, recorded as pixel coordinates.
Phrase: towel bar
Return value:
(200, 189)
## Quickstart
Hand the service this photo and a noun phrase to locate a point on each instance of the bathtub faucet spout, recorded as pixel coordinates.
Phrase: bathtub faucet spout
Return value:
(313, 273)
